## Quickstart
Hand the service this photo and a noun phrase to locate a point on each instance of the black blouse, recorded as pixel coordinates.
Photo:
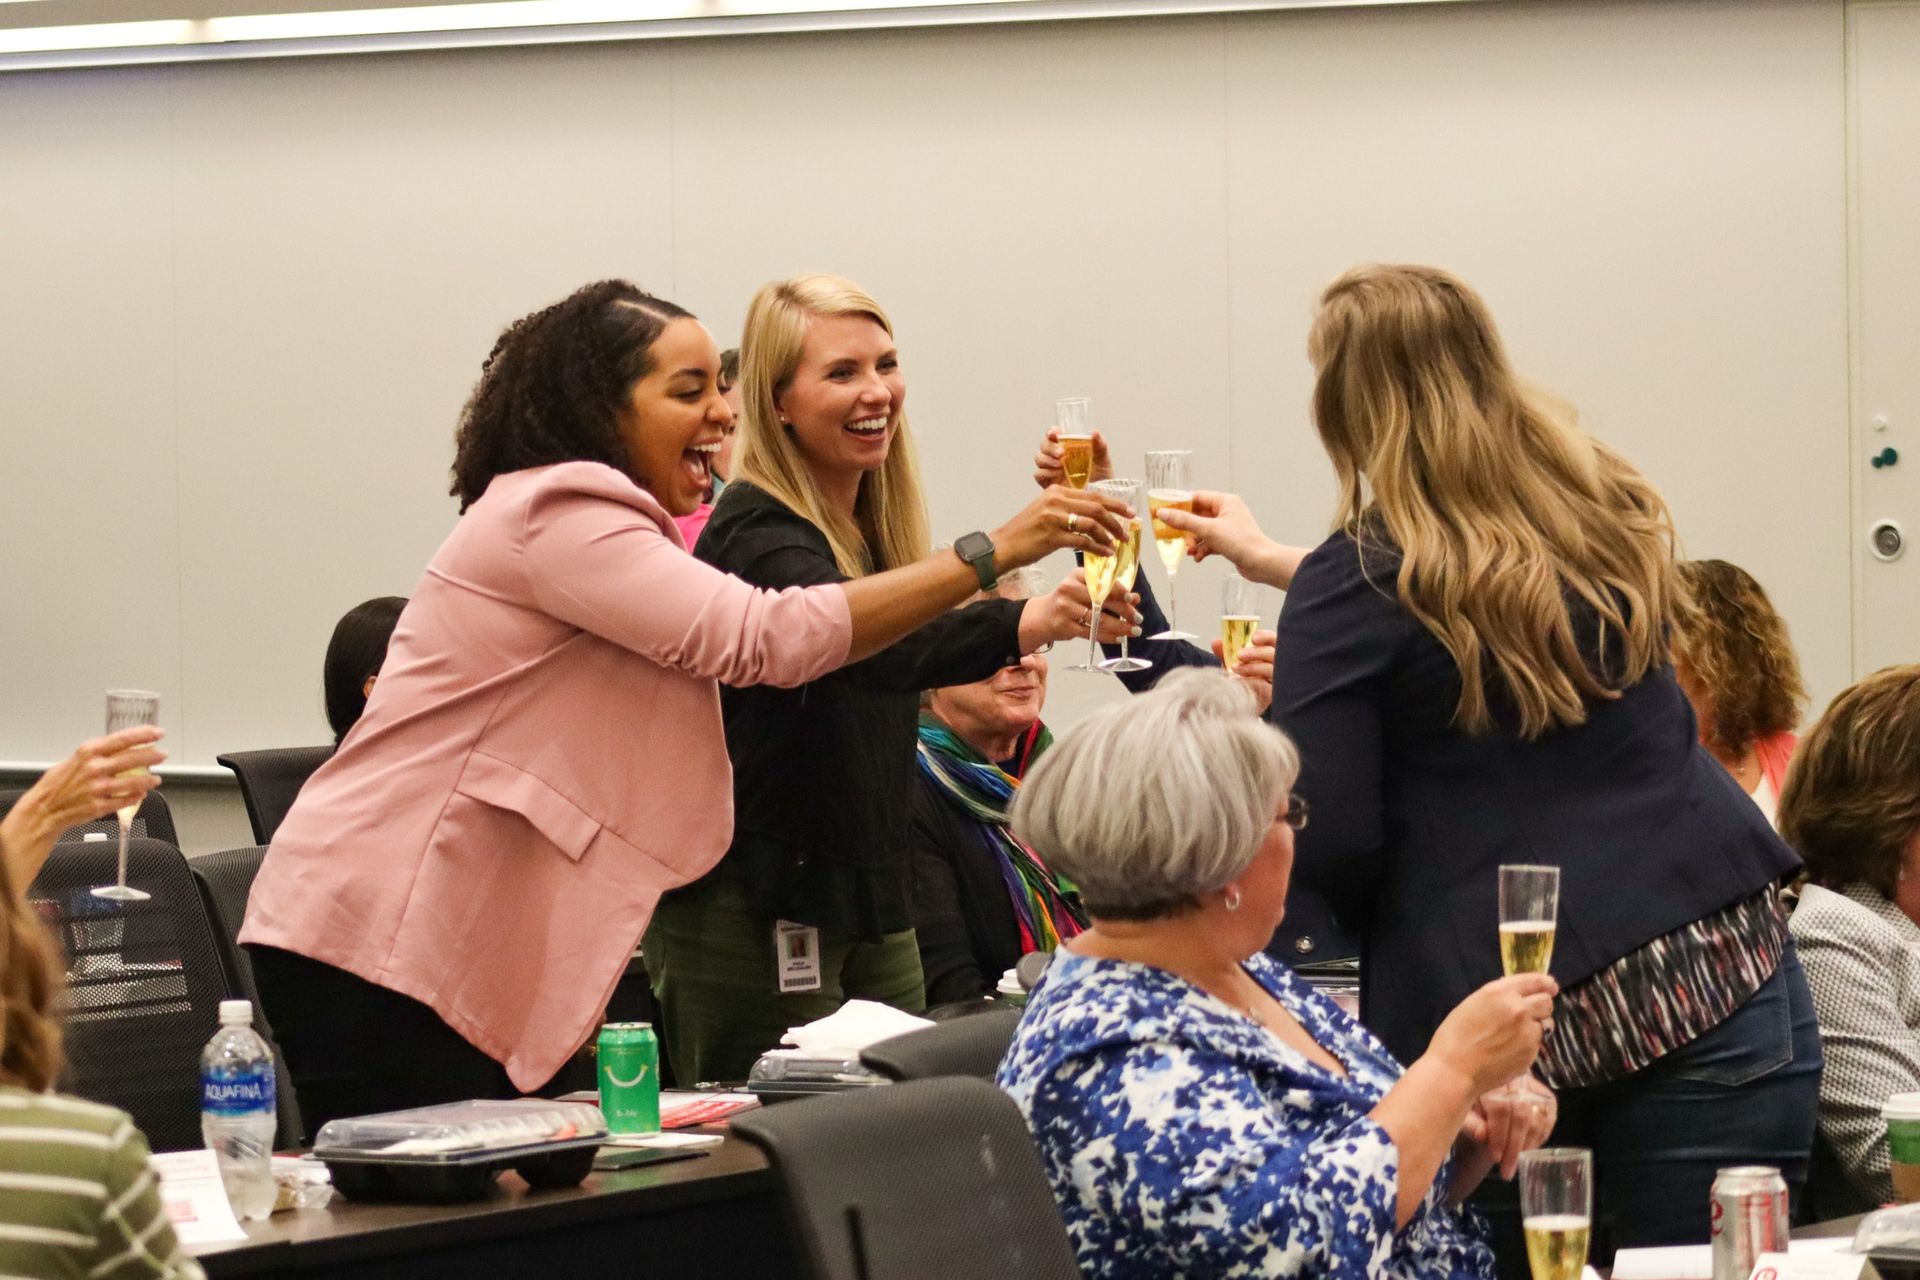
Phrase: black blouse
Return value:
(823, 774)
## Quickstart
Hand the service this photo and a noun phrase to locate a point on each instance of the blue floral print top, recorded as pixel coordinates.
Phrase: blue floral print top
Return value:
(1184, 1139)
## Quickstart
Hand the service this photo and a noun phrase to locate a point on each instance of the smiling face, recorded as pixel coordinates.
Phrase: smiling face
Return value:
(676, 417)
(844, 399)
(988, 712)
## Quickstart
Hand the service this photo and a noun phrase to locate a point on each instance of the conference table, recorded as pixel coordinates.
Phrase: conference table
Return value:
(716, 1215)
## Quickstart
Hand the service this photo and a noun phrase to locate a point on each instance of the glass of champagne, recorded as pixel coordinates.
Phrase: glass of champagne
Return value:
(1168, 485)
(1556, 1210)
(1126, 566)
(1101, 569)
(1074, 416)
(127, 709)
(1239, 616)
(1529, 908)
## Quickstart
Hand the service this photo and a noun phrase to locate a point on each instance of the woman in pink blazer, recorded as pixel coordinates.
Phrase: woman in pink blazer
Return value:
(445, 911)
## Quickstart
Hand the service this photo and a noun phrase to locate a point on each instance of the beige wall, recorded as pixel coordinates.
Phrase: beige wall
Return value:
(245, 300)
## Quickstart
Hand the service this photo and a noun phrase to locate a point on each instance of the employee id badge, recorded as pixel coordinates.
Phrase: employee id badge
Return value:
(796, 956)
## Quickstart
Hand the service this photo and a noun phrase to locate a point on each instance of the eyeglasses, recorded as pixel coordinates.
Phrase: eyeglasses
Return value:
(1032, 654)
(1296, 814)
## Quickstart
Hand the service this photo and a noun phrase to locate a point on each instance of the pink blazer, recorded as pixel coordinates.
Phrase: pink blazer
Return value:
(542, 757)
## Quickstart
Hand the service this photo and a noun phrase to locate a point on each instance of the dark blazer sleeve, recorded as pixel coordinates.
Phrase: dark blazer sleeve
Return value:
(1339, 633)
(1166, 655)
(939, 906)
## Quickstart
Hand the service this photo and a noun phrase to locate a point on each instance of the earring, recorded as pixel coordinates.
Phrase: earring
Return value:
(1230, 898)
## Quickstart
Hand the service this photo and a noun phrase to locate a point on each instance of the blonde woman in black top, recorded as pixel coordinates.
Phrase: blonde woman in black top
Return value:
(810, 905)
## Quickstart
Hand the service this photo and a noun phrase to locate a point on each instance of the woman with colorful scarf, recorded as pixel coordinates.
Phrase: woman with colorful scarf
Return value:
(981, 899)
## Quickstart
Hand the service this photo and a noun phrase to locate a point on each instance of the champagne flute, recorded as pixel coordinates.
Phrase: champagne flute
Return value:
(1239, 616)
(1126, 563)
(126, 709)
(1074, 416)
(1102, 569)
(1529, 908)
(1168, 485)
(1556, 1210)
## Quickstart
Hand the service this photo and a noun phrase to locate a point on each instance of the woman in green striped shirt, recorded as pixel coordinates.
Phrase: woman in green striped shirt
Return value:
(77, 1195)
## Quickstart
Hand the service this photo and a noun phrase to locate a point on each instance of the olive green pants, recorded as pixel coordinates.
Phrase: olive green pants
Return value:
(712, 967)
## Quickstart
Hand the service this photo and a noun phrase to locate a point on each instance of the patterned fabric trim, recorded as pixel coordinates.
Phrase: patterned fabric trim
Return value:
(1664, 995)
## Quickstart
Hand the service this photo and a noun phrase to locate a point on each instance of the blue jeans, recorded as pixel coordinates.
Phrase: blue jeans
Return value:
(1743, 1093)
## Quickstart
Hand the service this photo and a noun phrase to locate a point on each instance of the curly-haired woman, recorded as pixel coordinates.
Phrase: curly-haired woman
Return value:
(1475, 667)
(1852, 807)
(827, 491)
(1737, 667)
(446, 909)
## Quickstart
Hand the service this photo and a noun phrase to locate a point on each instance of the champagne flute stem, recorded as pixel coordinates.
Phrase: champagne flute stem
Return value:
(1093, 632)
(126, 825)
(1173, 602)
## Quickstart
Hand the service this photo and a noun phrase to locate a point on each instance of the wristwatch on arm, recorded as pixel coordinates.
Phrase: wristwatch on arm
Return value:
(976, 549)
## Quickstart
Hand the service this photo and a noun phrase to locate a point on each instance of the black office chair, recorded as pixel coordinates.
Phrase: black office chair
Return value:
(269, 780)
(927, 1178)
(969, 1046)
(225, 880)
(152, 819)
(144, 983)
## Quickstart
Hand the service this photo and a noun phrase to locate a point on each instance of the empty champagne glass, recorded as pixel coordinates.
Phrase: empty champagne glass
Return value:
(126, 709)
(1074, 416)
(1168, 485)
(1126, 566)
(1556, 1210)
(1239, 616)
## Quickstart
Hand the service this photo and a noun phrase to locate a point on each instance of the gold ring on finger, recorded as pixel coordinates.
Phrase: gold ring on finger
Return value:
(1073, 518)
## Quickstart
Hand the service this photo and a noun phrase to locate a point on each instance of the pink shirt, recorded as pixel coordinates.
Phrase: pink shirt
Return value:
(542, 757)
(690, 526)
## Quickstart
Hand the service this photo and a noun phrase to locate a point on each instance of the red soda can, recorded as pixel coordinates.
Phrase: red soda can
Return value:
(1749, 1218)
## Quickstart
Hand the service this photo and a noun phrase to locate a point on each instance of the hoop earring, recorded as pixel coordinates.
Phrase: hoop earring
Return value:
(1230, 898)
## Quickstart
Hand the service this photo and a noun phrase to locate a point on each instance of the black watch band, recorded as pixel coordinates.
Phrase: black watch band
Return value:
(976, 549)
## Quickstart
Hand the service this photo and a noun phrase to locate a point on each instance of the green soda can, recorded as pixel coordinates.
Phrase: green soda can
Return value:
(629, 1077)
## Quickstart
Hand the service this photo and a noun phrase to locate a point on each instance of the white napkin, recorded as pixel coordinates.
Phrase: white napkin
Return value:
(851, 1028)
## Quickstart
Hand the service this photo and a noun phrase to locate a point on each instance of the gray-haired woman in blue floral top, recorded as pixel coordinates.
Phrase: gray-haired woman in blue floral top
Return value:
(1199, 1110)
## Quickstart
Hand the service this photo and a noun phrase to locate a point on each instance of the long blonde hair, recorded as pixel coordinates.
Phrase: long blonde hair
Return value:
(1511, 522)
(889, 525)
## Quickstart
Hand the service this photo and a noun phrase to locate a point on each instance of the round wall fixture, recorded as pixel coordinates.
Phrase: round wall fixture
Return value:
(1886, 540)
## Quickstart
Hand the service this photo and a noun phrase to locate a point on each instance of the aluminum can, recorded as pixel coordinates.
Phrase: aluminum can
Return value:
(629, 1069)
(1749, 1218)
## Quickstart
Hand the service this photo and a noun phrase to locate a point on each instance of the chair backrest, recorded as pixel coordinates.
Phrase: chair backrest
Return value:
(269, 780)
(968, 1046)
(152, 819)
(927, 1178)
(225, 880)
(144, 983)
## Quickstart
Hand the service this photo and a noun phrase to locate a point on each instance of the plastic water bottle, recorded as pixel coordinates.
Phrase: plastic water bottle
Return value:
(237, 1116)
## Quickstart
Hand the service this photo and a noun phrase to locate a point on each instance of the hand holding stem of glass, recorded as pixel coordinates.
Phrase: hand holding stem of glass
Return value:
(1073, 416)
(126, 709)
(1239, 617)
(1556, 1210)
(1125, 563)
(1169, 485)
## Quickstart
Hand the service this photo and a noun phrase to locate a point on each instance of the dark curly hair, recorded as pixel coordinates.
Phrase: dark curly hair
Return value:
(1736, 649)
(1852, 799)
(554, 386)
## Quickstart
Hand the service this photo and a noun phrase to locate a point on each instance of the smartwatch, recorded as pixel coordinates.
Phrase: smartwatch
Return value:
(976, 549)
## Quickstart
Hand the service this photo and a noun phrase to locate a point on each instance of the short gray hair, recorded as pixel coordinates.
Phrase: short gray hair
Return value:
(1151, 803)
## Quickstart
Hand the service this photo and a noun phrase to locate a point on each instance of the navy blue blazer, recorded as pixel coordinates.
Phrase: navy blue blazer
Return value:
(1308, 934)
(1412, 816)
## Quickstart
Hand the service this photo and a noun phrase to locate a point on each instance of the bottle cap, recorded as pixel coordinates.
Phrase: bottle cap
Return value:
(232, 1011)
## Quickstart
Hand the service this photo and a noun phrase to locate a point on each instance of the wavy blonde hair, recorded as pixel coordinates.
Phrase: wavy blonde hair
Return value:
(889, 526)
(1538, 557)
(31, 981)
